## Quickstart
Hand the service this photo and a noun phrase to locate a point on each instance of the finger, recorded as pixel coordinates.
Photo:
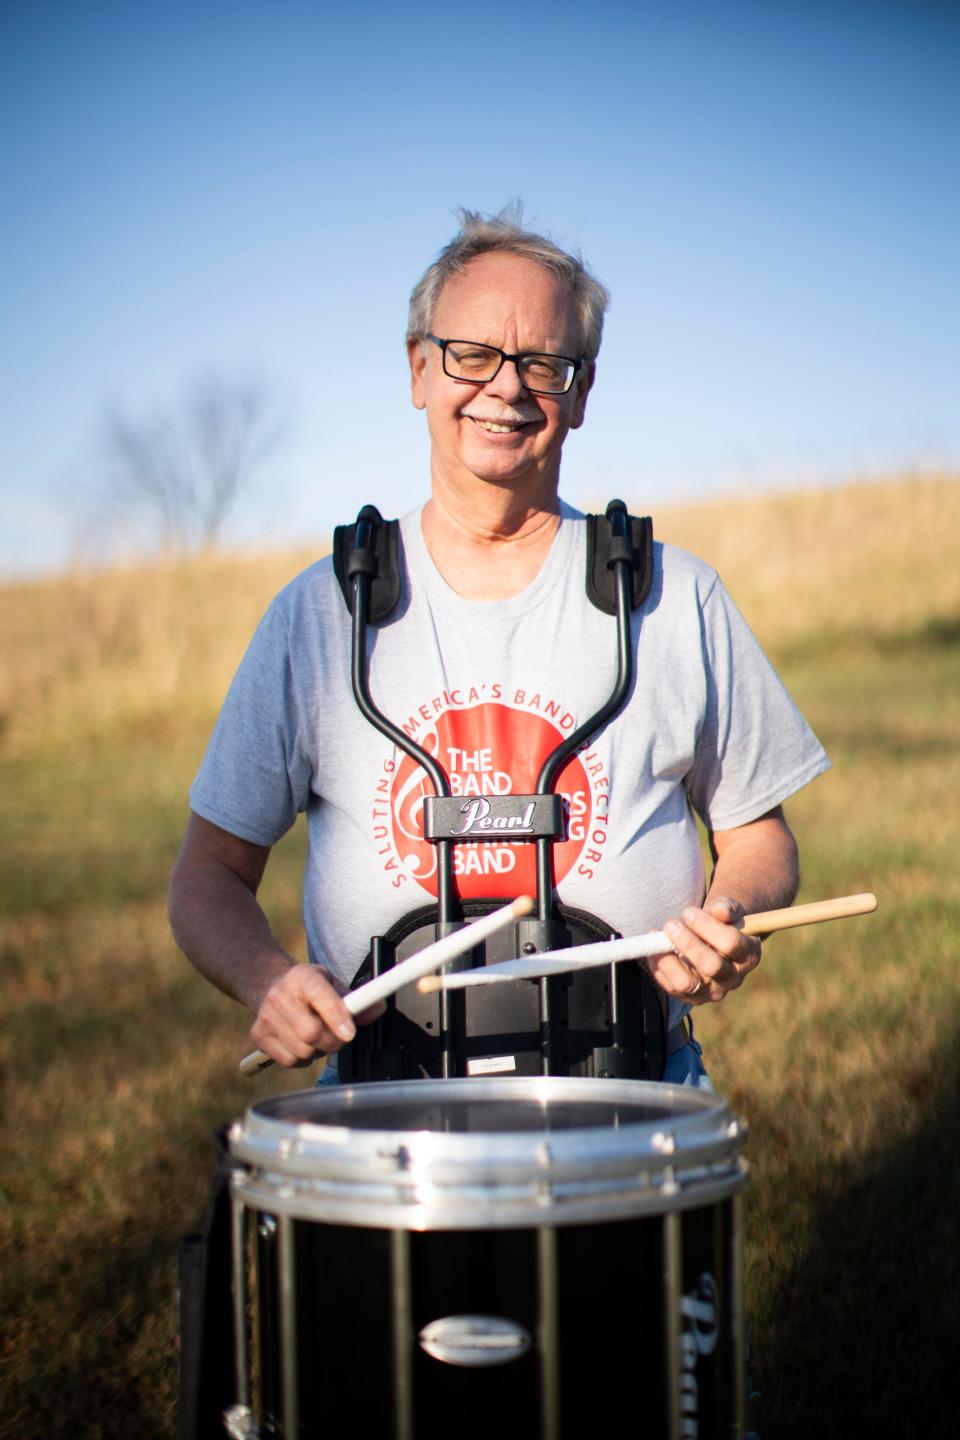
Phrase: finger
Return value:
(297, 1031)
(273, 1046)
(726, 941)
(725, 909)
(319, 993)
(303, 1012)
(690, 971)
(677, 978)
(697, 957)
(722, 955)
(718, 934)
(361, 1017)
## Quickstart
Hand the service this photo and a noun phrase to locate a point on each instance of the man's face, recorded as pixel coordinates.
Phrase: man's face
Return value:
(500, 432)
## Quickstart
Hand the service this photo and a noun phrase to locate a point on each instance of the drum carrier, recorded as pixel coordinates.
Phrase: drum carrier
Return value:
(609, 1021)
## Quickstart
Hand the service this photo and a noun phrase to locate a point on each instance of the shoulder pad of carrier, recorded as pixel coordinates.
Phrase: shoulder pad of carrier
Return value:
(618, 537)
(377, 555)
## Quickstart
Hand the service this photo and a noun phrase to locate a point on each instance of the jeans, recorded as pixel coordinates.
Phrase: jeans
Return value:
(685, 1067)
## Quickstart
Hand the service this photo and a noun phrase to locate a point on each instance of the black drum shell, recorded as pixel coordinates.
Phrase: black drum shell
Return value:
(620, 1268)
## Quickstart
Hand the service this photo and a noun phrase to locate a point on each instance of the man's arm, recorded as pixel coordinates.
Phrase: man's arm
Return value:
(219, 925)
(756, 868)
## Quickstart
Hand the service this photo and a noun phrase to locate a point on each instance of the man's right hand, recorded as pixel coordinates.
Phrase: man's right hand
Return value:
(302, 1016)
(219, 924)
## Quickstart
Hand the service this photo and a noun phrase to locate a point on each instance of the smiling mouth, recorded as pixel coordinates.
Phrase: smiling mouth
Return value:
(499, 427)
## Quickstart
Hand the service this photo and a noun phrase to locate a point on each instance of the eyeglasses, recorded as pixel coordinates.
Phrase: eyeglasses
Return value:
(478, 364)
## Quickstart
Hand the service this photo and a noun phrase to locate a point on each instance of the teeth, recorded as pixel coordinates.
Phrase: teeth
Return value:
(496, 429)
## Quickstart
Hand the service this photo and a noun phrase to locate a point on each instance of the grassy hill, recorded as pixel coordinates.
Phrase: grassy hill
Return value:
(841, 1052)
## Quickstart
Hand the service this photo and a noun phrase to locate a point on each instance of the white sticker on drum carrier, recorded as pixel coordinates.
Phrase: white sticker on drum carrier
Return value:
(492, 1065)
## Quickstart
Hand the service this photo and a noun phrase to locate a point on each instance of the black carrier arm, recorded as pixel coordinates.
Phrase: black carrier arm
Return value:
(367, 564)
(619, 576)
(366, 559)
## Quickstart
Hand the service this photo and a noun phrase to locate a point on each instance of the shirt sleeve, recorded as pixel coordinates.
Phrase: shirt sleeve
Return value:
(755, 748)
(256, 774)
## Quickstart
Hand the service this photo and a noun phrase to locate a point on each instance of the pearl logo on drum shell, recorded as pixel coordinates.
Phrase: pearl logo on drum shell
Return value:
(474, 1340)
(700, 1328)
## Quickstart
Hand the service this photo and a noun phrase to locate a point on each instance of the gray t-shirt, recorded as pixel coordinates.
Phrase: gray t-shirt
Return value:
(490, 688)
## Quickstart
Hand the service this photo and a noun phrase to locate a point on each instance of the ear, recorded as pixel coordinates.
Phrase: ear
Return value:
(581, 389)
(418, 364)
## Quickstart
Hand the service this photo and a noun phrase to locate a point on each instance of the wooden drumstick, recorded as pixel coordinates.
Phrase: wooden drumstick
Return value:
(449, 947)
(635, 947)
(843, 908)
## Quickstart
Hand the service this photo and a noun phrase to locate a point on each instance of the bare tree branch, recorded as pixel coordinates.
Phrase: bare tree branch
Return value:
(177, 476)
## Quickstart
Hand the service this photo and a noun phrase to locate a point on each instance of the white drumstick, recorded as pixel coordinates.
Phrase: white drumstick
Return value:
(635, 947)
(449, 947)
(552, 962)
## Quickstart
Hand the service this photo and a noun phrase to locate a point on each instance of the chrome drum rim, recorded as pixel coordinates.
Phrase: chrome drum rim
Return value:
(487, 1153)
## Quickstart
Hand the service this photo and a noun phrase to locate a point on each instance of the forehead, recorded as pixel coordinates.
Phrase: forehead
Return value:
(509, 301)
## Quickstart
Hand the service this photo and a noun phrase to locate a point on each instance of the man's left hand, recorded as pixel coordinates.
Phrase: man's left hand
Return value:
(712, 956)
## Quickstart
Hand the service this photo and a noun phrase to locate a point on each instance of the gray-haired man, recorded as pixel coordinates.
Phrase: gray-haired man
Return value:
(495, 653)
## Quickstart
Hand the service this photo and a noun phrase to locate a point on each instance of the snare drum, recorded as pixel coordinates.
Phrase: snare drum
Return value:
(526, 1258)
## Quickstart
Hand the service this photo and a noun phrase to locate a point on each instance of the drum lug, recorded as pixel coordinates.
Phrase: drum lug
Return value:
(239, 1423)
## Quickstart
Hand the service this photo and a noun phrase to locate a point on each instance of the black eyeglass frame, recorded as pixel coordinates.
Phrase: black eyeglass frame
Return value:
(522, 355)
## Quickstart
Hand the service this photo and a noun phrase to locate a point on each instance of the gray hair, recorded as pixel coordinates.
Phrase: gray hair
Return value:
(479, 234)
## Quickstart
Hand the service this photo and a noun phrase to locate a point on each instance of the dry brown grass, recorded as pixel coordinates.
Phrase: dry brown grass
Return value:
(842, 1052)
(885, 547)
(91, 657)
(95, 657)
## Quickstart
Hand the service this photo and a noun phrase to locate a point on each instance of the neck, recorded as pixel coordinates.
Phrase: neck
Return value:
(490, 545)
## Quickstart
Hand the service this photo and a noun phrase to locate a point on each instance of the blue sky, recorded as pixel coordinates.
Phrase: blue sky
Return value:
(770, 190)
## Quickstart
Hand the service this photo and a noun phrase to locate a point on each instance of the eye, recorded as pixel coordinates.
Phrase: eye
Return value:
(472, 359)
(546, 372)
(545, 367)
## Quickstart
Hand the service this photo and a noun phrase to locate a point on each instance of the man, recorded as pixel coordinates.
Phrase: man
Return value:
(495, 653)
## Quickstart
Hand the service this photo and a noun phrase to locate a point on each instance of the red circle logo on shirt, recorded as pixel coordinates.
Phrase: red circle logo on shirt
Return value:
(486, 750)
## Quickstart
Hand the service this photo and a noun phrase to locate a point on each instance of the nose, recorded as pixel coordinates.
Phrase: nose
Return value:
(506, 384)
